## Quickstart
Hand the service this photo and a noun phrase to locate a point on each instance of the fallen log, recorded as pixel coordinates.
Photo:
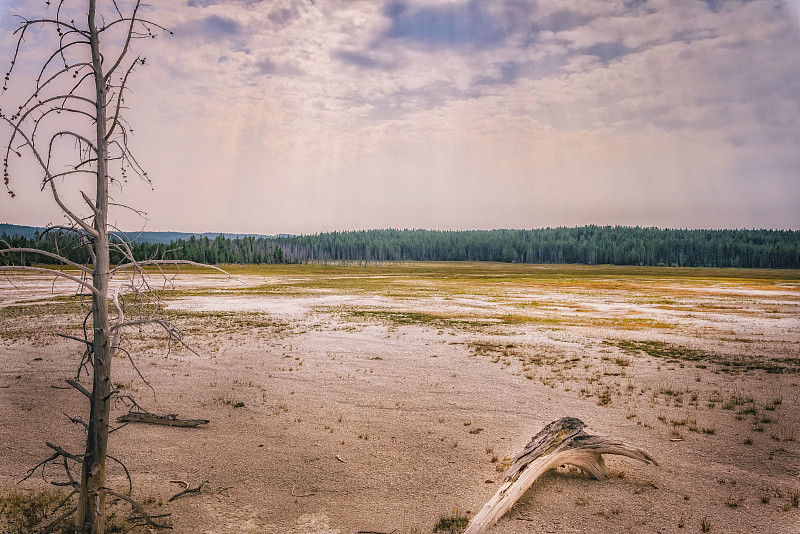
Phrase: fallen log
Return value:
(561, 442)
(155, 419)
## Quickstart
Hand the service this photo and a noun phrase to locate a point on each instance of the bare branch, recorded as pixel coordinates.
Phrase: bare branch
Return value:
(66, 69)
(22, 29)
(61, 452)
(56, 21)
(91, 231)
(62, 274)
(144, 22)
(60, 519)
(89, 202)
(45, 168)
(115, 120)
(135, 367)
(126, 47)
(166, 262)
(17, 120)
(49, 255)
(77, 385)
(78, 421)
(127, 473)
(74, 338)
(80, 138)
(138, 507)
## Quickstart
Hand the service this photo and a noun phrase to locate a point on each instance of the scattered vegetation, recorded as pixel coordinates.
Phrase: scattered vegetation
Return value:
(677, 353)
(639, 381)
(21, 512)
(452, 524)
(27, 511)
(418, 318)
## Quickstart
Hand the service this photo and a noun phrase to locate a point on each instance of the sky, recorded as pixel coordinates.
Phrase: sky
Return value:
(306, 116)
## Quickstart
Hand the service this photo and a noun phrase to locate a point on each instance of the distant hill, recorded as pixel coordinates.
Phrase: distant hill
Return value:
(28, 232)
(137, 237)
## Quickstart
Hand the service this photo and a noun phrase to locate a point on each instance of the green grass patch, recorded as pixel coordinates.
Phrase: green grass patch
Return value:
(659, 349)
(408, 318)
(223, 320)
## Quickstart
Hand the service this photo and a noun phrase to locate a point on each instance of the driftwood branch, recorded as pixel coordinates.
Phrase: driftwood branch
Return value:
(299, 495)
(561, 442)
(188, 490)
(155, 419)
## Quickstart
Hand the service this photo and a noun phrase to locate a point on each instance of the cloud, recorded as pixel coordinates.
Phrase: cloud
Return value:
(471, 25)
(209, 28)
(266, 66)
(563, 20)
(459, 113)
(203, 3)
(283, 16)
(607, 52)
(364, 60)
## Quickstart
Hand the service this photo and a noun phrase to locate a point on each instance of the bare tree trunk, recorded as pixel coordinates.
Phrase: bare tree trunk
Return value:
(65, 101)
(93, 475)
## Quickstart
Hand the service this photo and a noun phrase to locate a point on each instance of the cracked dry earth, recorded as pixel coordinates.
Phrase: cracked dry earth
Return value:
(383, 398)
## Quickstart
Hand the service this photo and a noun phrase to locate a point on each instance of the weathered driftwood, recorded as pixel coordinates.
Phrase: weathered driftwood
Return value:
(561, 442)
(188, 490)
(155, 419)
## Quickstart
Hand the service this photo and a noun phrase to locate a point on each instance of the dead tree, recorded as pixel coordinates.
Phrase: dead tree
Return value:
(71, 126)
(561, 442)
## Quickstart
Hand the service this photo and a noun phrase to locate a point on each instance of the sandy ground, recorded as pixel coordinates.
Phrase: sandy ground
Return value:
(382, 411)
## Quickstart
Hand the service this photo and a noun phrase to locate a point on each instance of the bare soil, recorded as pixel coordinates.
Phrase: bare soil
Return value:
(380, 399)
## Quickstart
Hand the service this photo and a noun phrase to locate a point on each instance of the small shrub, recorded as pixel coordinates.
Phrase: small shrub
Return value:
(454, 524)
(504, 464)
(604, 398)
(22, 511)
(705, 525)
(732, 502)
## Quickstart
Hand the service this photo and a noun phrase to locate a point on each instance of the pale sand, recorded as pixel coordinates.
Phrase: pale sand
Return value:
(402, 405)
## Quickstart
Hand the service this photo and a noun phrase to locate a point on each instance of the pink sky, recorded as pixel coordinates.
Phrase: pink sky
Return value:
(299, 116)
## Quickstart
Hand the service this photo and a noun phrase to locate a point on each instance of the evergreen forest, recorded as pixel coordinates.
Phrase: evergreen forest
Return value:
(590, 245)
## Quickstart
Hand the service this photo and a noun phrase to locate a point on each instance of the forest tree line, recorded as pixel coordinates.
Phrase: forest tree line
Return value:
(590, 245)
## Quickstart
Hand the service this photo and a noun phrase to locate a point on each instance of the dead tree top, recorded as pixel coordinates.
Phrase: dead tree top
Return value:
(568, 431)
